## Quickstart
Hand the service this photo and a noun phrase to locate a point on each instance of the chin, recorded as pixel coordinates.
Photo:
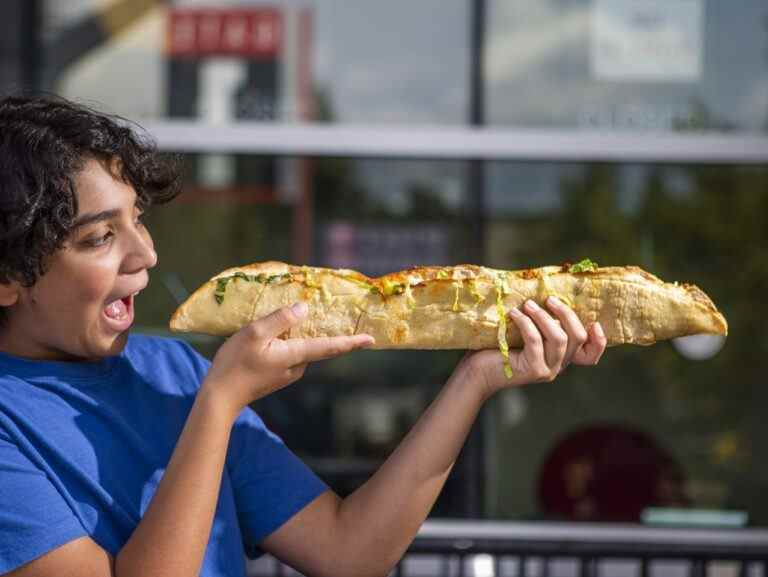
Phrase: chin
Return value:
(108, 347)
(118, 344)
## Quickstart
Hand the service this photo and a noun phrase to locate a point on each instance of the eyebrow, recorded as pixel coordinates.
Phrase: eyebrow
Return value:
(90, 218)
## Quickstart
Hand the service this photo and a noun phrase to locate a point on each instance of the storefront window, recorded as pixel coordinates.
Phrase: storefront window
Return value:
(631, 65)
(226, 60)
(677, 421)
(672, 425)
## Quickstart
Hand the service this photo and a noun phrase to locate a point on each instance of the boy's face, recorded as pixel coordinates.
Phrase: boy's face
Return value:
(82, 308)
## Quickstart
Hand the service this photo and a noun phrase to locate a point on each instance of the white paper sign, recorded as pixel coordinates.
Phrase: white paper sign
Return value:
(647, 40)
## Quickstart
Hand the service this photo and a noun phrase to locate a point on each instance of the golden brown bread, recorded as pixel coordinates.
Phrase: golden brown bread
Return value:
(455, 307)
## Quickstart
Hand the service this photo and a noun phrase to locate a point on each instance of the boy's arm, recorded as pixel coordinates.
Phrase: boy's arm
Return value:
(369, 531)
(172, 536)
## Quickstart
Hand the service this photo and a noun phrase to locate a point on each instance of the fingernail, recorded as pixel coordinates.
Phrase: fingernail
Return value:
(599, 329)
(515, 312)
(300, 309)
(554, 301)
(532, 305)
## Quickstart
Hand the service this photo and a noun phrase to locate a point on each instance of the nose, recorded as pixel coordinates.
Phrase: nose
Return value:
(141, 252)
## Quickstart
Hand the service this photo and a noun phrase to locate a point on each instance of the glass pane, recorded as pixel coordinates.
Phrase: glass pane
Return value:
(375, 216)
(670, 425)
(649, 426)
(287, 61)
(633, 65)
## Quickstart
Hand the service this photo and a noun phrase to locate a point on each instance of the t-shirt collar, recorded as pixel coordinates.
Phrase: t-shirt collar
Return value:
(30, 368)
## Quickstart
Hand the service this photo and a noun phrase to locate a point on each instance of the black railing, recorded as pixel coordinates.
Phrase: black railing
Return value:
(500, 549)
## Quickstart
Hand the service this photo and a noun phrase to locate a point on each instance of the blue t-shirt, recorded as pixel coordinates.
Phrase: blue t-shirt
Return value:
(83, 447)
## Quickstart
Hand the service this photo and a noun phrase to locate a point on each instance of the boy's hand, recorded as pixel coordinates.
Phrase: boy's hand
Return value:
(255, 362)
(551, 343)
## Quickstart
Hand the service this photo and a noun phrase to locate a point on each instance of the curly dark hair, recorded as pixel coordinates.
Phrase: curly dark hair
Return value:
(44, 142)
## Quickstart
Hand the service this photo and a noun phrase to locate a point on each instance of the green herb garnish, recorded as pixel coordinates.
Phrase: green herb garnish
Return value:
(221, 287)
(276, 278)
(221, 283)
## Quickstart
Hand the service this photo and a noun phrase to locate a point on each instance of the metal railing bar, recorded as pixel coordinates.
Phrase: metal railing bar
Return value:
(603, 550)
(591, 532)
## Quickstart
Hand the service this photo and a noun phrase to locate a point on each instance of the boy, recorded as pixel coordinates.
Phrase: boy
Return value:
(130, 455)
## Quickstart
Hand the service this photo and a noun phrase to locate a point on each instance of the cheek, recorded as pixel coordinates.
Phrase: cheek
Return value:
(96, 285)
(75, 285)
(91, 287)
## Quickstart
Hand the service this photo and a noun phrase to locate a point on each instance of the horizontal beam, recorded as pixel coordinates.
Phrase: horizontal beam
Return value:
(457, 143)
(593, 533)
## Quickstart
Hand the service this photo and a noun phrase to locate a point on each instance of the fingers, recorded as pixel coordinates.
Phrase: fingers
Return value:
(533, 346)
(279, 321)
(551, 343)
(593, 349)
(302, 351)
(576, 333)
(555, 338)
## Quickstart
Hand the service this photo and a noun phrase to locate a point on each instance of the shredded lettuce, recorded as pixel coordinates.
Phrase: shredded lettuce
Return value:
(392, 288)
(474, 292)
(409, 297)
(502, 332)
(585, 265)
(362, 283)
(456, 307)
(548, 291)
(309, 278)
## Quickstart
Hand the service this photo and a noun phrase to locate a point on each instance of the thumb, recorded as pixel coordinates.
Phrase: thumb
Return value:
(281, 320)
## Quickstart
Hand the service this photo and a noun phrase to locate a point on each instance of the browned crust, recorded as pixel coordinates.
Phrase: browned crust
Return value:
(630, 287)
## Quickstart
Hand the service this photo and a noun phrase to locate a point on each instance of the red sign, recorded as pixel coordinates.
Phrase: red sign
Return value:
(223, 32)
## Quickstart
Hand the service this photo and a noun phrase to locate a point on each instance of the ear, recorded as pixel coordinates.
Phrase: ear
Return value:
(9, 293)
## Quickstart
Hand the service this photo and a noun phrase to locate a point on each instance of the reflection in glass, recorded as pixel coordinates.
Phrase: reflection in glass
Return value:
(367, 62)
(705, 225)
(628, 65)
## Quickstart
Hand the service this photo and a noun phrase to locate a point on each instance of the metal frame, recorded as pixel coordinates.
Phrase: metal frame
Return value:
(590, 548)
(665, 541)
(457, 143)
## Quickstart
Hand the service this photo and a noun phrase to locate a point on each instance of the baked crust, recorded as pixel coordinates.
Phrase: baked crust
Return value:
(453, 307)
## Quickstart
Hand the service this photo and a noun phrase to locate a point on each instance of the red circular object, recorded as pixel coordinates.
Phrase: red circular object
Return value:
(608, 473)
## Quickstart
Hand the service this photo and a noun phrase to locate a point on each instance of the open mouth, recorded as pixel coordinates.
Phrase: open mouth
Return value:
(119, 309)
(119, 313)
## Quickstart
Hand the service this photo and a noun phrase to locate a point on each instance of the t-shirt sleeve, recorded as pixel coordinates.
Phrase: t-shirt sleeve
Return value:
(269, 482)
(34, 518)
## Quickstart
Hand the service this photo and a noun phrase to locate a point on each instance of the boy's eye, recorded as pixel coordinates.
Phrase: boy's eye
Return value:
(99, 240)
(95, 241)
